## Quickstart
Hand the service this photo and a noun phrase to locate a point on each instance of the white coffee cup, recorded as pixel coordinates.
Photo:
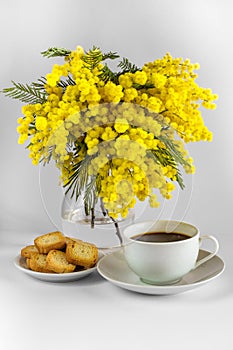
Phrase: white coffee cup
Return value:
(164, 263)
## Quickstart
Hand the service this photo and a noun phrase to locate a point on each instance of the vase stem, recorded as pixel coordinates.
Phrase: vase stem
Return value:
(102, 207)
(118, 233)
(92, 218)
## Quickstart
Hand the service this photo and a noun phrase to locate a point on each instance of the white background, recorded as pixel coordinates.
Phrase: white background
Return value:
(201, 30)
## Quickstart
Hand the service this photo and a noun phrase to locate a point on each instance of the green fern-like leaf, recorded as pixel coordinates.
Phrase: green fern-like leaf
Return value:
(79, 178)
(90, 196)
(25, 93)
(110, 55)
(93, 57)
(67, 82)
(56, 52)
(172, 149)
(40, 84)
(127, 66)
(145, 86)
(166, 157)
(106, 75)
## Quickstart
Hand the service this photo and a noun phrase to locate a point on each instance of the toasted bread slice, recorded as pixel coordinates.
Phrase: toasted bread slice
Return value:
(28, 262)
(27, 251)
(71, 239)
(82, 253)
(38, 263)
(49, 241)
(56, 261)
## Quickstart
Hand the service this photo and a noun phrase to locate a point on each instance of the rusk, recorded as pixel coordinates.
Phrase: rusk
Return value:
(82, 253)
(57, 262)
(38, 263)
(27, 251)
(49, 241)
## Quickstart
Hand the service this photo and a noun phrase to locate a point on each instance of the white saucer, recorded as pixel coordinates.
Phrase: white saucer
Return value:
(114, 268)
(20, 263)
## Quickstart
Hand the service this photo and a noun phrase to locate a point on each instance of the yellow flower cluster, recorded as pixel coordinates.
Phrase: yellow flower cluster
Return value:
(120, 124)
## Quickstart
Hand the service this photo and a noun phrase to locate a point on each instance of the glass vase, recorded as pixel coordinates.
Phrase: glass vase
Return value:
(98, 228)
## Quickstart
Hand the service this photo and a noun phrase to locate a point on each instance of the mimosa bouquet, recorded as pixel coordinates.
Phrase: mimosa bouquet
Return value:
(118, 136)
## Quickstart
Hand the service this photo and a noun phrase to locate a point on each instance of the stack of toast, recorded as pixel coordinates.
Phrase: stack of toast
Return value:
(55, 253)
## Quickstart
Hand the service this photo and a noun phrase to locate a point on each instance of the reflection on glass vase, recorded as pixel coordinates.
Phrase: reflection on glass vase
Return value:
(98, 228)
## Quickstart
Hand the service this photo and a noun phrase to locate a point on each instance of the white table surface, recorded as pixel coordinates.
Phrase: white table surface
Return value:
(92, 313)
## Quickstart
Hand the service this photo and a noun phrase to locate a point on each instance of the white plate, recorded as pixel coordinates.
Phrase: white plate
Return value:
(114, 268)
(20, 263)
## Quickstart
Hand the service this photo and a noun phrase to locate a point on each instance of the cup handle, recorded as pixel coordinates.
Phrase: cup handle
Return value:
(211, 255)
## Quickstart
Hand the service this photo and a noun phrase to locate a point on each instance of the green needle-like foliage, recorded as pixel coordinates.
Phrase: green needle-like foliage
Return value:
(55, 52)
(25, 93)
(127, 66)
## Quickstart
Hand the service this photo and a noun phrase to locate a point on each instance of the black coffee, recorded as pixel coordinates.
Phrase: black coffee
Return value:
(160, 237)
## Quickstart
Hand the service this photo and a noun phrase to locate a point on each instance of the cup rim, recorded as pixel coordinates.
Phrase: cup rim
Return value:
(131, 240)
